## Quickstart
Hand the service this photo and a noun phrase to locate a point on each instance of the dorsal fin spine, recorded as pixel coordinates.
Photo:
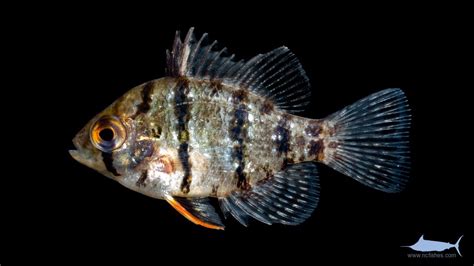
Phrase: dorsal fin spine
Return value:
(225, 66)
(185, 56)
(196, 49)
(211, 65)
(177, 45)
(203, 60)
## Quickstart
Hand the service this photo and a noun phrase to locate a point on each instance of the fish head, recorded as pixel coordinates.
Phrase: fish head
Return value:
(100, 140)
(121, 143)
(84, 152)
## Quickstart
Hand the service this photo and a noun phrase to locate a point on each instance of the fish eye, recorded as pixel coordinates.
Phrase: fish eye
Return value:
(108, 133)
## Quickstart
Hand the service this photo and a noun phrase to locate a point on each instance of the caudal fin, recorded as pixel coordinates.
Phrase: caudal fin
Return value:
(368, 140)
(457, 246)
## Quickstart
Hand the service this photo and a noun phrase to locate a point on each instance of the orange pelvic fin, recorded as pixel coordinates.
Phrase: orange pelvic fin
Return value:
(197, 210)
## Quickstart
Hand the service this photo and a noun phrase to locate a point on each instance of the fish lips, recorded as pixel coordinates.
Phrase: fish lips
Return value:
(84, 155)
(78, 153)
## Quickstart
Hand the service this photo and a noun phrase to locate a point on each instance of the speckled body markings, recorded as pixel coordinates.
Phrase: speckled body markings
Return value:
(227, 129)
(217, 132)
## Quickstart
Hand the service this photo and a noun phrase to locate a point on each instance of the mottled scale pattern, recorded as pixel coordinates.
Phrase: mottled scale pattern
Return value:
(233, 137)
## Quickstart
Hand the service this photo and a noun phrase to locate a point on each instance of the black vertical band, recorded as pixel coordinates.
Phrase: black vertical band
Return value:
(182, 113)
(283, 135)
(238, 132)
(108, 160)
(145, 105)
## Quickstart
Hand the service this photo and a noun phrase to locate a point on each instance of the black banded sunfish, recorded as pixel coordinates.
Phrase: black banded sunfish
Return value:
(215, 127)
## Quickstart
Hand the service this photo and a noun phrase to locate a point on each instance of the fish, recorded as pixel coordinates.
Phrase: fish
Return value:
(221, 133)
(424, 245)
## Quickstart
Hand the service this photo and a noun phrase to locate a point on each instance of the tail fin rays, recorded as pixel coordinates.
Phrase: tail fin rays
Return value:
(368, 140)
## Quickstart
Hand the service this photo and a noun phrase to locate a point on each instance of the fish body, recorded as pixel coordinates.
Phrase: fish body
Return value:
(424, 245)
(216, 127)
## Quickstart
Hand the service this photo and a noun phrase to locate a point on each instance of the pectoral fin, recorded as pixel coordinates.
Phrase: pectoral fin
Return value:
(197, 210)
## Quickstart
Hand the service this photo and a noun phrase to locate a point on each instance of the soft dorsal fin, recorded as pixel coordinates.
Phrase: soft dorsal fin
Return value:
(276, 75)
(289, 197)
(197, 210)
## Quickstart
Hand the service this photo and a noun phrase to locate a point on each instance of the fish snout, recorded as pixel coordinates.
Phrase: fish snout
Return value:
(85, 153)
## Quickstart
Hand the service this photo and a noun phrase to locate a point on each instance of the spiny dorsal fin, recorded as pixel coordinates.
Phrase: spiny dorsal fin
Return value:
(197, 210)
(276, 75)
(289, 197)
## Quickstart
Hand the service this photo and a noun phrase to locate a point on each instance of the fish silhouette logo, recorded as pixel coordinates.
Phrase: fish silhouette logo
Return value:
(425, 245)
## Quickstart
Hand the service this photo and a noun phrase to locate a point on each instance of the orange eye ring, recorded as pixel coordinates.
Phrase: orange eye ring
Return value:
(108, 133)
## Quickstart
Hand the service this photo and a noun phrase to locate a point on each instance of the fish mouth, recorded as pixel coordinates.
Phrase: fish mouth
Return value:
(82, 157)
(89, 158)
(78, 153)
(75, 154)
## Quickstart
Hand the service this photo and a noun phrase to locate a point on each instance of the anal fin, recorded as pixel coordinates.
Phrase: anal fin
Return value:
(197, 210)
(289, 197)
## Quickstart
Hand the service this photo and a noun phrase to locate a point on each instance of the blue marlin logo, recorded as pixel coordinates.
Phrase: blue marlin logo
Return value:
(424, 245)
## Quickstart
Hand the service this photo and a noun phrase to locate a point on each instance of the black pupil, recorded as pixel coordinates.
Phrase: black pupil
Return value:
(106, 134)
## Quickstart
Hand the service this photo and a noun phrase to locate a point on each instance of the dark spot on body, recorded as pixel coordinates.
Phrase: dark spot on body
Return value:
(266, 170)
(142, 179)
(313, 129)
(240, 96)
(267, 107)
(215, 188)
(333, 145)
(286, 162)
(332, 130)
(216, 88)
(242, 182)
(139, 150)
(290, 160)
(287, 117)
(238, 131)
(156, 132)
(282, 141)
(315, 148)
(144, 106)
(186, 164)
(300, 141)
(268, 174)
(238, 152)
(108, 160)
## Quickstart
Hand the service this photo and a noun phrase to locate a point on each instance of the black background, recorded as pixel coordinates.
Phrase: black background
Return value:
(83, 60)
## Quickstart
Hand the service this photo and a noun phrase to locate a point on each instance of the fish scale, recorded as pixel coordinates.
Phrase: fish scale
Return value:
(226, 129)
(210, 126)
